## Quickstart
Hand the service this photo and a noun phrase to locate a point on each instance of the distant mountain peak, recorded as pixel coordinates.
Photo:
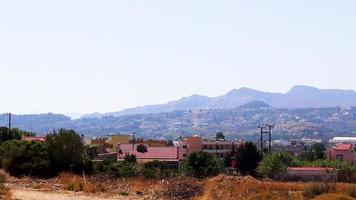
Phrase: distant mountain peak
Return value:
(242, 90)
(303, 89)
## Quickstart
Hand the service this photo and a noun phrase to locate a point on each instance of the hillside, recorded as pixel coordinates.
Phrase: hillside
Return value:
(239, 122)
(297, 97)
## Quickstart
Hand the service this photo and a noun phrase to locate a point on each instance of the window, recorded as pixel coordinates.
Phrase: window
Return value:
(205, 147)
(340, 157)
(184, 146)
(184, 155)
(210, 147)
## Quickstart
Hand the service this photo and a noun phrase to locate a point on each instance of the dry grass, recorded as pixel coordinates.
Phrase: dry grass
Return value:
(5, 192)
(228, 187)
(333, 197)
(76, 183)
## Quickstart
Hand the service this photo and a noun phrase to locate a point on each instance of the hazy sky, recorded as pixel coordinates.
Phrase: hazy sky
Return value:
(85, 56)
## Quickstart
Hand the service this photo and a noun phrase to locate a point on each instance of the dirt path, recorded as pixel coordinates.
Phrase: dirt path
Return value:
(30, 194)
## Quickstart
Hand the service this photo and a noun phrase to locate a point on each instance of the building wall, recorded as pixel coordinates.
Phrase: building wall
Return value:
(98, 141)
(194, 144)
(348, 156)
(156, 143)
(219, 148)
(117, 139)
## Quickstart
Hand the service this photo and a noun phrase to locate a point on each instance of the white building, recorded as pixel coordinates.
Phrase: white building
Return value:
(343, 140)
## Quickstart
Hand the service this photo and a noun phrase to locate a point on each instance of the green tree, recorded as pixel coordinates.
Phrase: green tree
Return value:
(318, 150)
(247, 158)
(25, 158)
(202, 164)
(219, 136)
(275, 165)
(66, 150)
(155, 169)
(313, 152)
(91, 151)
(130, 158)
(5, 135)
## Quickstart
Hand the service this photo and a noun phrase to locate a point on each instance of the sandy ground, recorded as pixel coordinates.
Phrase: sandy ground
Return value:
(29, 194)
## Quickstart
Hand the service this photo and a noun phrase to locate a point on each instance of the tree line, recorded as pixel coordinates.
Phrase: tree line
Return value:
(64, 151)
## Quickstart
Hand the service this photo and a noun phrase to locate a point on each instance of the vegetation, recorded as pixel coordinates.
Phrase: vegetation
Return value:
(247, 157)
(313, 152)
(66, 150)
(219, 136)
(275, 165)
(14, 134)
(202, 164)
(25, 158)
(155, 170)
(316, 189)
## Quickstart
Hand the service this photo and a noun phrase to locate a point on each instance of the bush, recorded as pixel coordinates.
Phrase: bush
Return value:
(155, 170)
(275, 165)
(351, 191)
(124, 170)
(202, 164)
(25, 158)
(247, 158)
(316, 189)
(66, 151)
(130, 158)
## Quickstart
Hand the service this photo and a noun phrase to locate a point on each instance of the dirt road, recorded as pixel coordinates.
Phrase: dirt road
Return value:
(29, 194)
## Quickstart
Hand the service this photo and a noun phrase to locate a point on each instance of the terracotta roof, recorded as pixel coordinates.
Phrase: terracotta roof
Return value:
(343, 147)
(310, 169)
(36, 139)
(158, 153)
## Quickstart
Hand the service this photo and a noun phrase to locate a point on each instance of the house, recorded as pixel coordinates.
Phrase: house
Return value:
(107, 144)
(33, 138)
(311, 174)
(117, 139)
(170, 155)
(196, 143)
(343, 140)
(344, 152)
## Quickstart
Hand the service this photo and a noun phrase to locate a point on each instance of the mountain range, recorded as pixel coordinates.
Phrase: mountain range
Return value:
(298, 97)
(302, 112)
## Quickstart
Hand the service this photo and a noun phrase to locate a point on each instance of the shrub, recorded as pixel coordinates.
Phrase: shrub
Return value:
(126, 170)
(351, 191)
(203, 164)
(130, 158)
(275, 165)
(155, 169)
(247, 158)
(66, 151)
(316, 189)
(25, 158)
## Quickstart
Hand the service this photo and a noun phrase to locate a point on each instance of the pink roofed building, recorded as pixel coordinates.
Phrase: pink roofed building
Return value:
(33, 138)
(165, 154)
(312, 173)
(344, 152)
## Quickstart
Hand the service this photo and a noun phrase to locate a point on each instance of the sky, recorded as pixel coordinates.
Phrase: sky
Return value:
(84, 56)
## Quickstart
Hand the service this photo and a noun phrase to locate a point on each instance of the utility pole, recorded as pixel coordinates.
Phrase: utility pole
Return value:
(9, 123)
(133, 140)
(266, 128)
(261, 130)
